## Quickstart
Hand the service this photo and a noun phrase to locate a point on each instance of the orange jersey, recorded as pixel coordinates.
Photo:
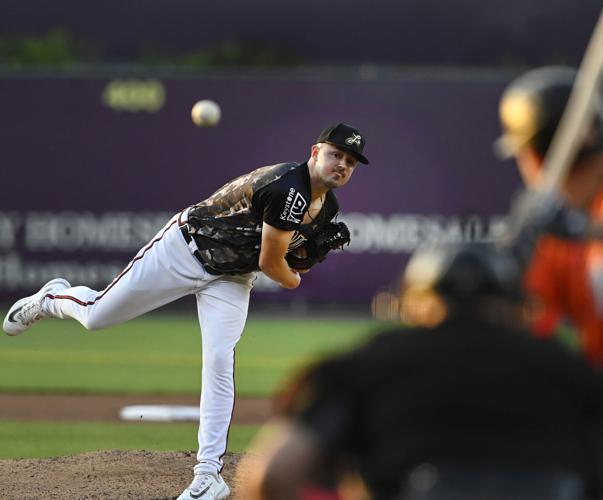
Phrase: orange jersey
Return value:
(562, 277)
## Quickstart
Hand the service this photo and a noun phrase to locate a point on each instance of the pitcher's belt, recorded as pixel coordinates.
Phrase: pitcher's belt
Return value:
(189, 239)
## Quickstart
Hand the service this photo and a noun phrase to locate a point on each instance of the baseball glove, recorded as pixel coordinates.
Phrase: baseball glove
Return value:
(329, 236)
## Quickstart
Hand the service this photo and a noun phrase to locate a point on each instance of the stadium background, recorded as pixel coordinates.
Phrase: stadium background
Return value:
(98, 149)
(98, 146)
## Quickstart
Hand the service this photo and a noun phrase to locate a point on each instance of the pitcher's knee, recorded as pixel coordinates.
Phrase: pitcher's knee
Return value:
(219, 361)
(96, 322)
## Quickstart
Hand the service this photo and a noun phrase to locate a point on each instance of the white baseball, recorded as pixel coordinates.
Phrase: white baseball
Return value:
(206, 113)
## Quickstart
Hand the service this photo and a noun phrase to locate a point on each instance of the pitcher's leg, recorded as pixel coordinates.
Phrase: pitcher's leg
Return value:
(163, 271)
(222, 307)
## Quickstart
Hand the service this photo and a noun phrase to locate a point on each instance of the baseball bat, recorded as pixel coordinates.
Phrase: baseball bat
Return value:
(577, 114)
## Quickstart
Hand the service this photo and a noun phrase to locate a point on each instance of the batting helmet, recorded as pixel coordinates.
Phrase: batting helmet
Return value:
(531, 107)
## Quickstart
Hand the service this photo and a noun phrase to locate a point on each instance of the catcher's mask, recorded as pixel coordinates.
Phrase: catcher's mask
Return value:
(439, 281)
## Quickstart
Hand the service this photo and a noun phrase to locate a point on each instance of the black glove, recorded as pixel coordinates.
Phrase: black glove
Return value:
(329, 236)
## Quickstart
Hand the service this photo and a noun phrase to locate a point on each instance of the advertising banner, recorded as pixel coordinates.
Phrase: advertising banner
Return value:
(92, 168)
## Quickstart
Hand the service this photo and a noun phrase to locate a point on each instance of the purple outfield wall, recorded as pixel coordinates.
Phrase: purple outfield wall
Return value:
(91, 168)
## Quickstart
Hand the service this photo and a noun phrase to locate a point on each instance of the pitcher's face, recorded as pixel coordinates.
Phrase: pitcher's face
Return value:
(334, 167)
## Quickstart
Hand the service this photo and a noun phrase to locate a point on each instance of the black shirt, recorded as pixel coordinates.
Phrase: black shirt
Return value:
(460, 393)
(227, 226)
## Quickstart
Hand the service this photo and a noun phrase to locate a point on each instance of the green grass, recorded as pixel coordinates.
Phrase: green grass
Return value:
(50, 439)
(152, 355)
(161, 354)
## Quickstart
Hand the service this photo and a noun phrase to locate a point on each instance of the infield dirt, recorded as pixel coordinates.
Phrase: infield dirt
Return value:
(107, 475)
(94, 407)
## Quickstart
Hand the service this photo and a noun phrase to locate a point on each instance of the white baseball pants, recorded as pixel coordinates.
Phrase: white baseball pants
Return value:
(163, 271)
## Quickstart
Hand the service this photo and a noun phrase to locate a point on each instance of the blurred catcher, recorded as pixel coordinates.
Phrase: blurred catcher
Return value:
(213, 250)
(470, 407)
(564, 277)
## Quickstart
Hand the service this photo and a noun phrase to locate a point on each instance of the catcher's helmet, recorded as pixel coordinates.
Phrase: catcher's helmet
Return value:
(444, 280)
(464, 273)
(531, 107)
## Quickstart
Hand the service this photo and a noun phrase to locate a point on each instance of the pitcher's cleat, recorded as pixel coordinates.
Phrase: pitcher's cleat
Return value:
(206, 486)
(25, 312)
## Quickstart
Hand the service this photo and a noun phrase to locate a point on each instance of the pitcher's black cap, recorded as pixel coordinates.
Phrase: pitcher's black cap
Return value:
(346, 138)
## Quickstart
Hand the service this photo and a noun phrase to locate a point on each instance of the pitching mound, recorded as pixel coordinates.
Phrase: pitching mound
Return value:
(105, 475)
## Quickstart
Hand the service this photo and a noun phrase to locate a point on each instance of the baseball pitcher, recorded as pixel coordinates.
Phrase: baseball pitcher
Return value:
(276, 219)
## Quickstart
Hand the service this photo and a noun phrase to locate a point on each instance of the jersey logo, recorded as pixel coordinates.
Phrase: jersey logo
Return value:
(354, 139)
(295, 206)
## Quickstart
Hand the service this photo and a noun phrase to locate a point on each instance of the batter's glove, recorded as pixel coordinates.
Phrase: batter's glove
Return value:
(547, 212)
(534, 213)
(329, 236)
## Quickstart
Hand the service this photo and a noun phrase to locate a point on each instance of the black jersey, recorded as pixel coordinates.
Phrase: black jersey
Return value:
(464, 392)
(227, 226)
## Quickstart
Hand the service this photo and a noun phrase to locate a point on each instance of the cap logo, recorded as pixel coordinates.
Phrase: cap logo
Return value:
(354, 139)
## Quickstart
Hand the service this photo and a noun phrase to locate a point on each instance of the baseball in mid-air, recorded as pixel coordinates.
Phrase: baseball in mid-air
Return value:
(206, 113)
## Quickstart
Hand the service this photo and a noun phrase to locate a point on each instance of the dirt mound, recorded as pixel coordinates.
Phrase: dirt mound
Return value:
(105, 475)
